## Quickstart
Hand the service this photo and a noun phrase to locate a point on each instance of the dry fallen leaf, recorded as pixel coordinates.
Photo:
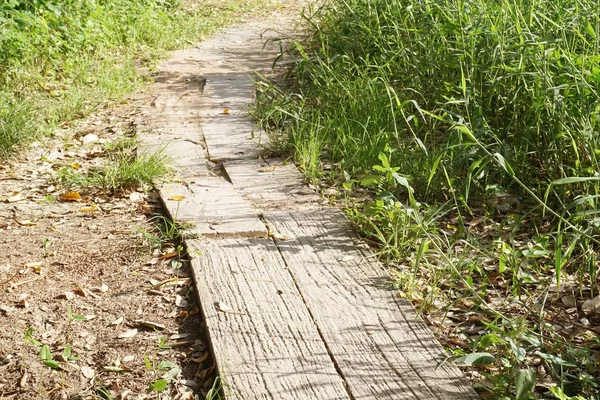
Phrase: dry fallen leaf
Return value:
(15, 198)
(223, 307)
(70, 196)
(35, 266)
(91, 138)
(591, 306)
(117, 321)
(89, 209)
(176, 197)
(26, 222)
(24, 378)
(200, 358)
(67, 295)
(22, 300)
(128, 334)
(569, 301)
(169, 255)
(88, 372)
(180, 301)
(150, 324)
(179, 336)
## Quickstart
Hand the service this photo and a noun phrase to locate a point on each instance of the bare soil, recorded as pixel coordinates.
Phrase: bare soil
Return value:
(93, 280)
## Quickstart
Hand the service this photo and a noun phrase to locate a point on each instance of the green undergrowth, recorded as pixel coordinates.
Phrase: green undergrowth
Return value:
(124, 169)
(60, 60)
(464, 138)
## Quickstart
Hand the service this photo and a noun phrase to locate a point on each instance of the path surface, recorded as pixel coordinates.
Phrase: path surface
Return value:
(296, 307)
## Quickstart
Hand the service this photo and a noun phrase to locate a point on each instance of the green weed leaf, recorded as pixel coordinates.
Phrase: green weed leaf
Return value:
(370, 180)
(148, 363)
(29, 337)
(45, 353)
(554, 359)
(165, 365)
(159, 385)
(524, 383)
(52, 364)
(475, 359)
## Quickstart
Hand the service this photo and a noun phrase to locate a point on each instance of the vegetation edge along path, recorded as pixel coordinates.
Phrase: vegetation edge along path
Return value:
(295, 307)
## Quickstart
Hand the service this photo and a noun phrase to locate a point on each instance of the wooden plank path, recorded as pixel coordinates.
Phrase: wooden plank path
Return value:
(295, 305)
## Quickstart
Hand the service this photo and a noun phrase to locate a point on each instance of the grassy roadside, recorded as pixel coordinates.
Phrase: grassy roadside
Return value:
(463, 136)
(60, 60)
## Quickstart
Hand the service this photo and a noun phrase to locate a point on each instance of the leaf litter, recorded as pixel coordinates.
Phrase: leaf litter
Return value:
(79, 314)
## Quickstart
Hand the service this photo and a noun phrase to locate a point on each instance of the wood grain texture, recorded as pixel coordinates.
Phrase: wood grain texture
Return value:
(213, 207)
(264, 340)
(382, 348)
(271, 184)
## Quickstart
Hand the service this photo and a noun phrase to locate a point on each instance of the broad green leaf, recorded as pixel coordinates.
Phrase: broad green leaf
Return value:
(159, 385)
(52, 364)
(524, 383)
(475, 359)
(519, 352)
(166, 365)
(370, 180)
(45, 353)
(402, 181)
(147, 362)
(68, 353)
(384, 160)
(554, 359)
(490, 339)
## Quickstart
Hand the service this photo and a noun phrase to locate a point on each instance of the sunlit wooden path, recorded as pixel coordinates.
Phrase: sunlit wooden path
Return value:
(295, 305)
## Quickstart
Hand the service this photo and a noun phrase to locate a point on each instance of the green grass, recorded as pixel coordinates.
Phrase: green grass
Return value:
(473, 128)
(123, 170)
(61, 60)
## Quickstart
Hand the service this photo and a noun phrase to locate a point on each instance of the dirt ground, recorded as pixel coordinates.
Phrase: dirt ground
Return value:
(94, 301)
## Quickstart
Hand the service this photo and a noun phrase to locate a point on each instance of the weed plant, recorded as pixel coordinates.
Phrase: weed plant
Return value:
(59, 60)
(472, 125)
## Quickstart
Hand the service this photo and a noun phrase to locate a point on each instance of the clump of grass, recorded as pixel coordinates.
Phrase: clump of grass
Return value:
(123, 169)
(124, 173)
(15, 123)
(473, 127)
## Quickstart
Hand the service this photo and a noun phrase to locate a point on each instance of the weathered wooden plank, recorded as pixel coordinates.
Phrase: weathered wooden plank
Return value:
(272, 184)
(265, 342)
(383, 349)
(228, 130)
(230, 137)
(212, 207)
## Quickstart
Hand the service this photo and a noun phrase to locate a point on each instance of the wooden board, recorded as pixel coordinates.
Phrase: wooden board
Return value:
(265, 342)
(212, 207)
(382, 348)
(229, 132)
(271, 184)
